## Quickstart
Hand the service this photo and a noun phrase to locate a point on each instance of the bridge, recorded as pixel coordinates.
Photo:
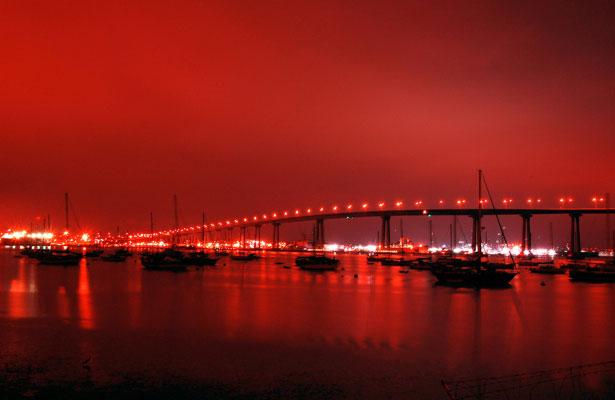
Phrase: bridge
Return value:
(320, 215)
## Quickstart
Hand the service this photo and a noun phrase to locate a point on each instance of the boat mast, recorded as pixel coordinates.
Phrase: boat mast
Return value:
(151, 223)
(203, 231)
(479, 217)
(401, 235)
(66, 211)
(176, 220)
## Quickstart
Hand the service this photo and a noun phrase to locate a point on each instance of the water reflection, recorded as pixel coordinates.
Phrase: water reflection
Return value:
(84, 297)
(361, 318)
(22, 301)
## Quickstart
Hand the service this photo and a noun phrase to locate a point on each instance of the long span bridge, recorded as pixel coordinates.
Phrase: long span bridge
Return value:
(319, 216)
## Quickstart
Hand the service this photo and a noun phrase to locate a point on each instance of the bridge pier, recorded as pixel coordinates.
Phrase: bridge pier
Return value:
(526, 234)
(275, 243)
(319, 234)
(454, 233)
(257, 237)
(385, 240)
(242, 237)
(575, 234)
(475, 233)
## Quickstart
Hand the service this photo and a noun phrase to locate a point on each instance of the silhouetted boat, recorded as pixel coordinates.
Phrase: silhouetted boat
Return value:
(118, 256)
(198, 259)
(93, 253)
(594, 275)
(168, 260)
(529, 262)
(573, 266)
(397, 262)
(245, 256)
(473, 277)
(476, 274)
(548, 269)
(376, 258)
(53, 258)
(317, 263)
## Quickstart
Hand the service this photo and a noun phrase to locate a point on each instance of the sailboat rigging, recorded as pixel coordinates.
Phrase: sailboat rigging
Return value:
(478, 274)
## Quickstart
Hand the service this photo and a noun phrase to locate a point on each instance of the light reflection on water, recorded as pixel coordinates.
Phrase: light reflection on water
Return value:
(257, 322)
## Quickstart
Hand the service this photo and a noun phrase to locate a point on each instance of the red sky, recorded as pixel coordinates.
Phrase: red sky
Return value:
(241, 108)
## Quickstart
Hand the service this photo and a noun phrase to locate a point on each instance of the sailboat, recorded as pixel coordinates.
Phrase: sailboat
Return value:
(316, 262)
(199, 258)
(478, 275)
(598, 274)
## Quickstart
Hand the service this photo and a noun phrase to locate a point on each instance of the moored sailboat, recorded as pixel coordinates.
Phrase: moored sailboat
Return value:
(478, 275)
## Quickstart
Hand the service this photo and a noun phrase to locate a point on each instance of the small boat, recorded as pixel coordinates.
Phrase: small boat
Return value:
(548, 269)
(529, 262)
(198, 259)
(376, 258)
(317, 263)
(54, 258)
(593, 275)
(498, 265)
(124, 252)
(94, 253)
(475, 272)
(399, 262)
(163, 261)
(473, 277)
(118, 256)
(244, 257)
(573, 266)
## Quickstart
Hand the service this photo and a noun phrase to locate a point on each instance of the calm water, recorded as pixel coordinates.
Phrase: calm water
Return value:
(245, 329)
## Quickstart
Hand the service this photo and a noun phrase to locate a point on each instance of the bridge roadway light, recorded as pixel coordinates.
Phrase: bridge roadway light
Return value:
(381, 204)
(321, 209)
(349, 207)
(335, 208)
(399, 203)
(364, 206)
(597, 201)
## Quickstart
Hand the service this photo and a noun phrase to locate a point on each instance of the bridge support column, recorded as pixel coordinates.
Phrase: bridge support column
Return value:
(275, 243)
(319, 234)
(242, 237)
(475, 234)
(575, 234)
(229, 237)
(385, 240)
(454, 233)
(257, 237)
(430, 232)
(526, 234)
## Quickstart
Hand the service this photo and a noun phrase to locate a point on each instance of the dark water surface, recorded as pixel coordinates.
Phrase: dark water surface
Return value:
(257, 329)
